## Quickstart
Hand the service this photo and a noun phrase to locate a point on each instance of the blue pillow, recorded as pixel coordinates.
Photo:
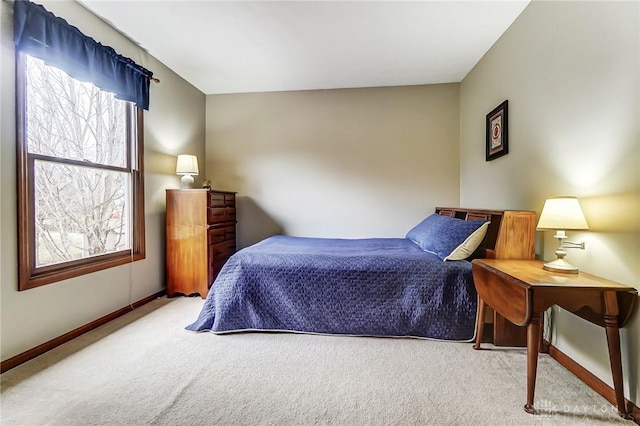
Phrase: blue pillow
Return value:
(447, 237)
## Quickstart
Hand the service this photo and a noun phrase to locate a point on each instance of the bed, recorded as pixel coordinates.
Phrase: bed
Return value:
(418, 286)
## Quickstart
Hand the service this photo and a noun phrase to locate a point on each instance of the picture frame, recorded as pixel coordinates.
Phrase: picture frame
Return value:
(497, 132)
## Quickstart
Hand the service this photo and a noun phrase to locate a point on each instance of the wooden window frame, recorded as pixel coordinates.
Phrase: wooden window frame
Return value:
(29, 276)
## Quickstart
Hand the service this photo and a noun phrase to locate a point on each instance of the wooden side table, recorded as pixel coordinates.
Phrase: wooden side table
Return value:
(520, 290)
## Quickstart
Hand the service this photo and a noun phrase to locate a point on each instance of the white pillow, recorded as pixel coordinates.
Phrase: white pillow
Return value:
(469, 245)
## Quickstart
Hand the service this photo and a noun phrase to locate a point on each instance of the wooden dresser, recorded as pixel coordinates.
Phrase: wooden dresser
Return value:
(201, 236)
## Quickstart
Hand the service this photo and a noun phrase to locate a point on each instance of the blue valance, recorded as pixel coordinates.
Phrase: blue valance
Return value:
(39, 33)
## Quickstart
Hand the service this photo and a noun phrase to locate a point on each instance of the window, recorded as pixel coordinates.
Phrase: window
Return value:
(80, 180)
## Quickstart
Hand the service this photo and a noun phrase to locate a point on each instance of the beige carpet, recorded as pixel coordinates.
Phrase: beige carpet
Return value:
(144, 369)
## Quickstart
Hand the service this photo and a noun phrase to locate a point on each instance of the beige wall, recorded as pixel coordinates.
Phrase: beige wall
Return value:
(345, 163)
(571, 73)
(175, 124)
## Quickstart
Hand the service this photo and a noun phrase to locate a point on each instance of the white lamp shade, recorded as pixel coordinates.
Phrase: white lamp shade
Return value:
(562, 213)
(187, 165)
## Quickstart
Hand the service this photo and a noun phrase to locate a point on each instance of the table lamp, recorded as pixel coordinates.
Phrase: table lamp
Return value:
(560, 214)
(187, 166)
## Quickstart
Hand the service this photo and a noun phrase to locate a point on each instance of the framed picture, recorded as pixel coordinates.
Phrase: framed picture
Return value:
(497, 132)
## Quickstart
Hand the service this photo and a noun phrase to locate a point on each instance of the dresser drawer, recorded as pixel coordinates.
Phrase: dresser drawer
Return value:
(214, 270)
(220, 234)
(221, 251)
(221, 199)
(221, 214)
(218, 255)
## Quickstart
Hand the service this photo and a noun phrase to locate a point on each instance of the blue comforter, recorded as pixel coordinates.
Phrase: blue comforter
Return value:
(373, 287)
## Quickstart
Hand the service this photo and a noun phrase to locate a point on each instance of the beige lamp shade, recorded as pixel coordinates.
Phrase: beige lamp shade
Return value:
(562, 213)
(187, 165)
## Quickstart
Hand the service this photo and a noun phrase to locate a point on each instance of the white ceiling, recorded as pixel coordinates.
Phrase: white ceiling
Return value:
(258, 46)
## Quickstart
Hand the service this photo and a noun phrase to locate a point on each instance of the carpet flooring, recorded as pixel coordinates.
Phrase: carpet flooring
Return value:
(145, 369)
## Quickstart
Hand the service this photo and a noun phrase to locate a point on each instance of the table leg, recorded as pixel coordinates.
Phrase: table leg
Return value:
(541, 347)
(533, 343)
(479, 323)
(613, 342)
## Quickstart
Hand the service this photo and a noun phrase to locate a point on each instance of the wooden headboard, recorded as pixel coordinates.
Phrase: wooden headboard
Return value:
(511, 233)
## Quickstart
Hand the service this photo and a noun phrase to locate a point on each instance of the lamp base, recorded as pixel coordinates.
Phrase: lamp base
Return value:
(560, 265)
(187, 182)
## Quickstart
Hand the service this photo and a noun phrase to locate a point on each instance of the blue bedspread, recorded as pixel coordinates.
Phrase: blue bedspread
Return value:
(373, 287)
